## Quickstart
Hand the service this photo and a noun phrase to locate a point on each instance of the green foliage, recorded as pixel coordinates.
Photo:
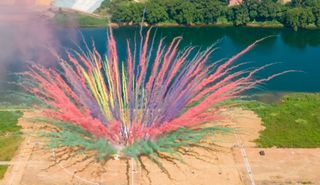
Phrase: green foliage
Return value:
(183, 12)
(156, 13)
(296, 3)
(252, 7)
(299, 14)
(299, 18)
(269, 10)
(223, 20)
(316, 13)
(293, 18)
(105, 4)
(128, 12)
(240, 15)
(295, 122)
(104, 7)
(108, 6)
(213, 10)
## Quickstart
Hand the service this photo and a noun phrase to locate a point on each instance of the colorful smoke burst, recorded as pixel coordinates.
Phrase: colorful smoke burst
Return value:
(144, 97)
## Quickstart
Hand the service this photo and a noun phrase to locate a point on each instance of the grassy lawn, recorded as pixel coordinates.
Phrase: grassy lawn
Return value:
(292, 123)
(9, 136)
(67, 19)
(3, 170)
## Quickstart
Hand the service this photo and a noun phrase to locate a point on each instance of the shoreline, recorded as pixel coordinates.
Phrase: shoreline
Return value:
(84, 20)
(173, 25)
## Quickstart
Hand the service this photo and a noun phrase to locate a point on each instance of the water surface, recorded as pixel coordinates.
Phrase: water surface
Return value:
(290, 50)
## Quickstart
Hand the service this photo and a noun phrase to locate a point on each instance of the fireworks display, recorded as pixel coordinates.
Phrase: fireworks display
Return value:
(156, 90)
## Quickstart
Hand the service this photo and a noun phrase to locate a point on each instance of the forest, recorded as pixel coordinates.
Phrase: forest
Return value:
(295, 14)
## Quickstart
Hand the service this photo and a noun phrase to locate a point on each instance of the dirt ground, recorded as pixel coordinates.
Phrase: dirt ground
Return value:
(236, 162)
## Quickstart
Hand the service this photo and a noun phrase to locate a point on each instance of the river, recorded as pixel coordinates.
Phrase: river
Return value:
(287, 49)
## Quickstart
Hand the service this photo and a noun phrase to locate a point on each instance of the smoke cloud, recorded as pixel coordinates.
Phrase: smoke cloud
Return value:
(25, 37)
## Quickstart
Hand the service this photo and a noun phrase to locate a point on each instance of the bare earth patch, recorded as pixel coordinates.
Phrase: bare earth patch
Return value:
(222, 165)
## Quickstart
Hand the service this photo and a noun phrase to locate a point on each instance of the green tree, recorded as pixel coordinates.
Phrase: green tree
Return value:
(297, 3)
(316, 13)
(292, 18)
(105, 3)
(306, 17)
(270, 10)
(199, 10)
(297, 14)
(213, 10)
(156, 13)
(239, 15)
(299, 18)
(311, 3)
(183, 12)
(128, 12)
(252, 7)
(304, 3)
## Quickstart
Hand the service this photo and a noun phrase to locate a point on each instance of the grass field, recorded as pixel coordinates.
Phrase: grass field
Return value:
(10, 138)
(3, 170)
(67, 19)
(292, 123)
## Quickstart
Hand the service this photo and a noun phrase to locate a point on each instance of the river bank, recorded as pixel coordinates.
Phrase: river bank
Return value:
(79, 19)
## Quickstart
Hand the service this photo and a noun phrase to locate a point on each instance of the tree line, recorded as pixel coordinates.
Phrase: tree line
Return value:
(296, 14)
